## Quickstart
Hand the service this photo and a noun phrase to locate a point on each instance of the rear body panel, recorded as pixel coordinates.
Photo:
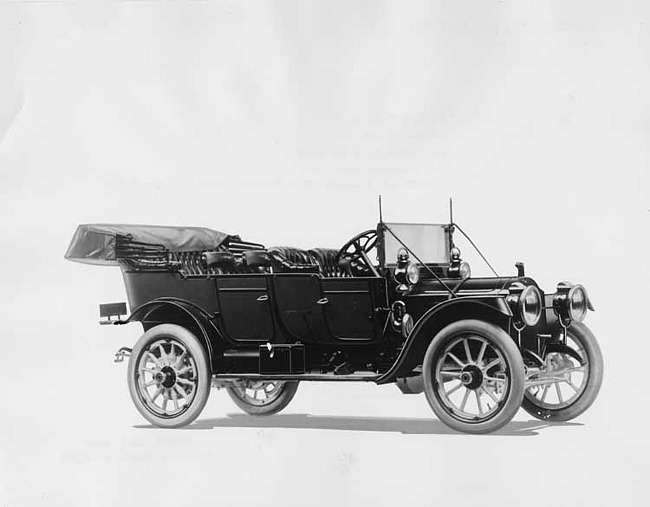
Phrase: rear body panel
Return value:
(274, 308)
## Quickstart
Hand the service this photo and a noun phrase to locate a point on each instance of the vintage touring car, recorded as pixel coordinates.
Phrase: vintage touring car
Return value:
(395, 304)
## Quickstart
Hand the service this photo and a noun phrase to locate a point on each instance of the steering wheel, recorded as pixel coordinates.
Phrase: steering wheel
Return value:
(355, 252)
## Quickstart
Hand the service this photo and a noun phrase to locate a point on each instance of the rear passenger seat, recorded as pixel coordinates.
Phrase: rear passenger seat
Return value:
(284, 260)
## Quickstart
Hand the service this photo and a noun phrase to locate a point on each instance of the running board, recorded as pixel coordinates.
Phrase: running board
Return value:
(242, 353)
(298, 376)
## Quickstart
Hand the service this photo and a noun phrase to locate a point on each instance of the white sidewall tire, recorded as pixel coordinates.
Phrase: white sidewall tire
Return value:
(594, 381)
(500, 339)
(288, 392)
(196, 349)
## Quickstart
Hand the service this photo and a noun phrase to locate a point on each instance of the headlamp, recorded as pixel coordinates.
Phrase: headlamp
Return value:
(570, 303)
(525, 301)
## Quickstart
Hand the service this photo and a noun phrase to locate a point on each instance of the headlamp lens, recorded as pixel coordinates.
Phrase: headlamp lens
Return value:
(530, 305)
(413, 273)
(577, 303)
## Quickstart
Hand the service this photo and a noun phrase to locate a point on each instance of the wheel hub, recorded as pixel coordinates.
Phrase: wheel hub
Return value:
(166, 376)
(471, 377)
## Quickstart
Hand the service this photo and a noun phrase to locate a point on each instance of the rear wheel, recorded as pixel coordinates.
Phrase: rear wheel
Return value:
(262, 398)
(473, 376)
(578, 380)
(169, 376)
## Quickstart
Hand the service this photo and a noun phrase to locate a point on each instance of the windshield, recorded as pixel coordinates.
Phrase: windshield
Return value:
(430, 242)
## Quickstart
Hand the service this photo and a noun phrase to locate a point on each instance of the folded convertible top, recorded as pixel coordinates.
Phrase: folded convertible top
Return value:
(95, 243)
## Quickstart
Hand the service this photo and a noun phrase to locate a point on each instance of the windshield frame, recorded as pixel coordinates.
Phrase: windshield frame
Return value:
(382, 228)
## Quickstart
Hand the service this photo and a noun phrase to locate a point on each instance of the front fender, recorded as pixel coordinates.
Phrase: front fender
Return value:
(491, 309)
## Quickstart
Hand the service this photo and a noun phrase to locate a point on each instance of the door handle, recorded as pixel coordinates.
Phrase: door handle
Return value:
(322, 301)
(263, 297)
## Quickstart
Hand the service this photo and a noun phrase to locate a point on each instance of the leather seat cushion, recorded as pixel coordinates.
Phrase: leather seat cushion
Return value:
(319, 260)
(326, 260)
(288, 259)
(290, 254)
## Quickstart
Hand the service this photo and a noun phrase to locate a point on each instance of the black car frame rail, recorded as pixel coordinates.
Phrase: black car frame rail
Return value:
(395, 304)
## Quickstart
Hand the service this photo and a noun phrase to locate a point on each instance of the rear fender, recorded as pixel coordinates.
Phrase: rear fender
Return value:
(489, 309)
(183, 313)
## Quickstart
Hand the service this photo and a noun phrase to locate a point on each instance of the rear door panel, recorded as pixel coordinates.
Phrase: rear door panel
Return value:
(246, 308)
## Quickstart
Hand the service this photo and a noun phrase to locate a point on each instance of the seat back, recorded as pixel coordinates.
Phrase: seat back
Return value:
(326, 260)
(295, 260)
(286, 259)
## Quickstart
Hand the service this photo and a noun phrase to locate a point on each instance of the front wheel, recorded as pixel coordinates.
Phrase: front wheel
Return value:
(262, 398)
(473, 376)
(169, 376)
(577, 381)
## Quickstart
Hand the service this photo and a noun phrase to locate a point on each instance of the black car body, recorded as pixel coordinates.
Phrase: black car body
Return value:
(395, 304)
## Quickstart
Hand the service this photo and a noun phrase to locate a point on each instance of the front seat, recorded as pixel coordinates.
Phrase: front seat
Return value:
(326, 260)
(286, 259)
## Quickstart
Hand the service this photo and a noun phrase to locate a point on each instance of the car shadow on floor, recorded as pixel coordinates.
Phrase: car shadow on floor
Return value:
(405, 425)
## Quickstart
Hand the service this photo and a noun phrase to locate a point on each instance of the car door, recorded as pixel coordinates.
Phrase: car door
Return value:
(296, 299)
(352, 308)
(245, 307)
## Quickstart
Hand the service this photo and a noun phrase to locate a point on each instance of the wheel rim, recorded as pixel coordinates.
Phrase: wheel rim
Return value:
(472, 378)
(562, 393)
(166, 378)
(259, 394)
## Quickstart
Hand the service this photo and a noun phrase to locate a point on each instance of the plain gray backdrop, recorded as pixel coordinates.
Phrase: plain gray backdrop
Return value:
(282, 122)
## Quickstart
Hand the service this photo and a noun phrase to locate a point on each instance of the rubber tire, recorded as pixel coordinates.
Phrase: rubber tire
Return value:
(595, 379)
(508, 348)
(196, 349)
(288, 392)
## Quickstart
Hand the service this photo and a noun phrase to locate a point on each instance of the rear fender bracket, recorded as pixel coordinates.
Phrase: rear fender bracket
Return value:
(122, 353)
